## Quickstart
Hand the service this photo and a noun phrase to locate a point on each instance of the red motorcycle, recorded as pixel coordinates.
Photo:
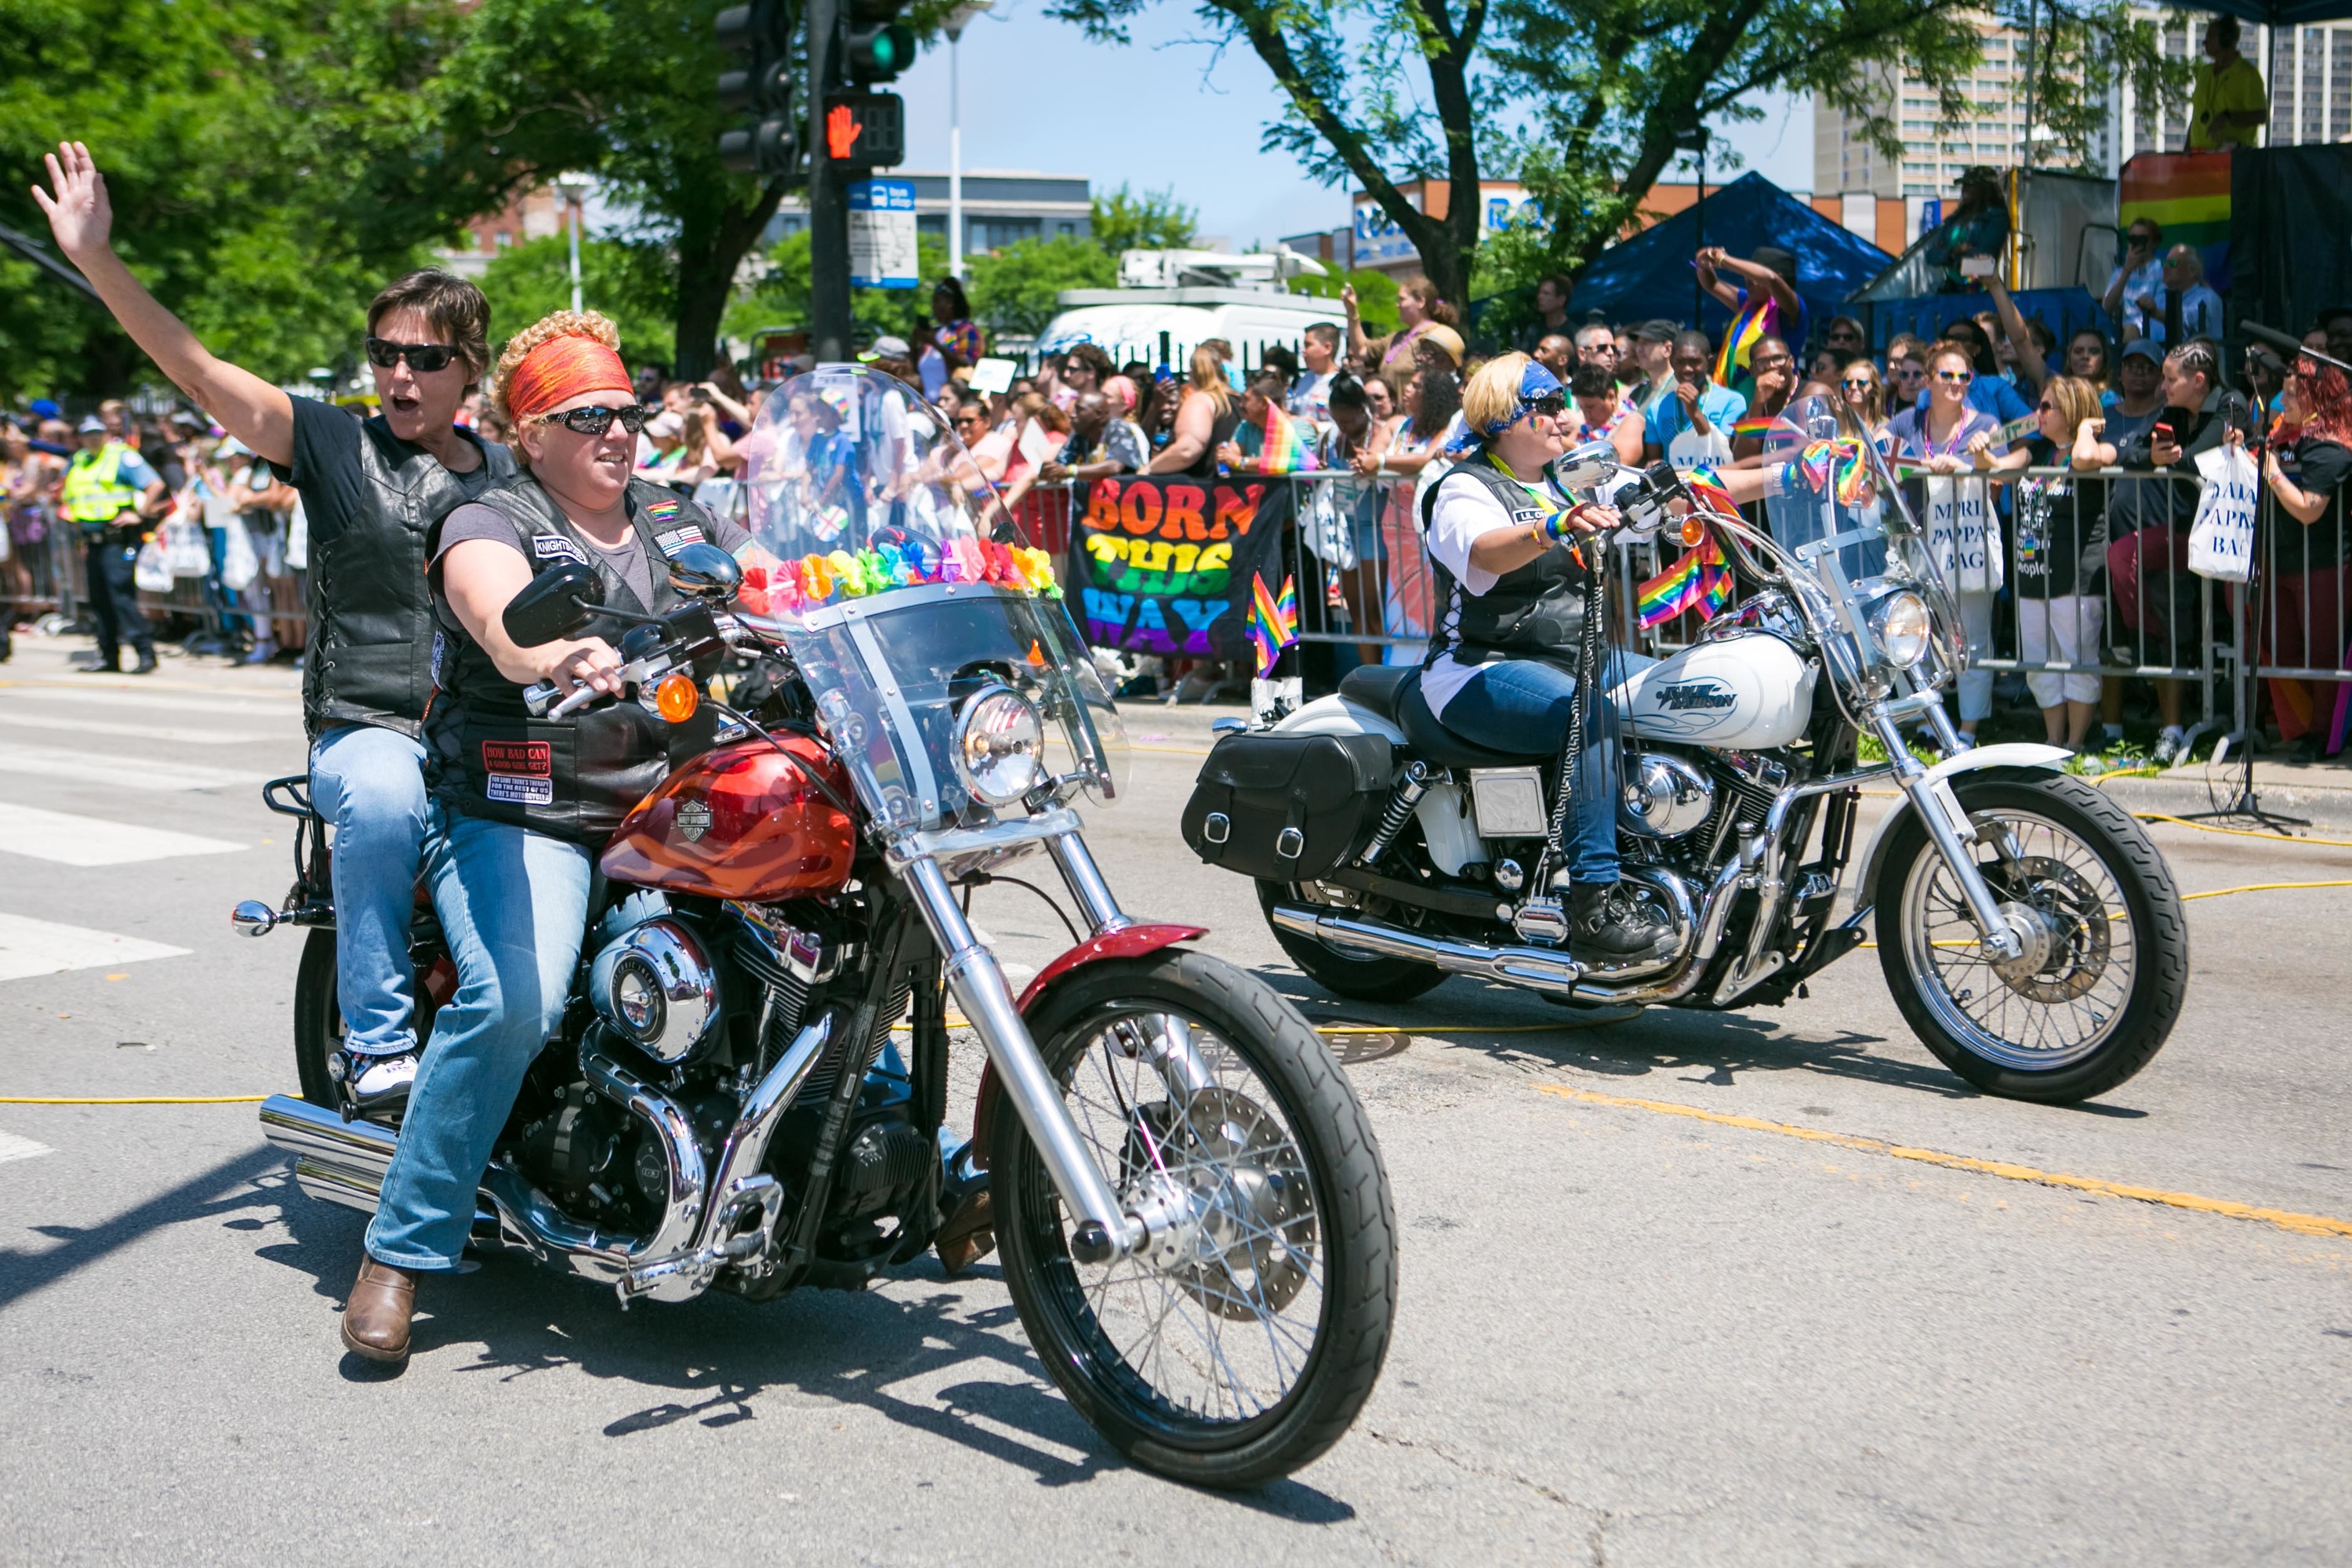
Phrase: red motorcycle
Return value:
(1194, 1222)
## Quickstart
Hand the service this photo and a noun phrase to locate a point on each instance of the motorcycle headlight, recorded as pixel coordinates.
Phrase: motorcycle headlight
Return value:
(1904, 628)
(1000, 745)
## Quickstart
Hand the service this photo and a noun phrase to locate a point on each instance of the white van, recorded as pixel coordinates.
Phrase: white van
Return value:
(1163, 326)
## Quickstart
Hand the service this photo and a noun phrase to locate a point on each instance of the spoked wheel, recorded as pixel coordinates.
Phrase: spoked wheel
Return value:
(2106, 966)
(1242, 1341)
(1353, 973)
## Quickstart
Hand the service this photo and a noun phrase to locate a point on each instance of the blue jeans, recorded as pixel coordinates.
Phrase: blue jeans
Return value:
(369, 782)
(1523, 706)
(512, 905)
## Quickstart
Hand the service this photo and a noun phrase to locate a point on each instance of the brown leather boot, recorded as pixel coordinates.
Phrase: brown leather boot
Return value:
(375, 1316)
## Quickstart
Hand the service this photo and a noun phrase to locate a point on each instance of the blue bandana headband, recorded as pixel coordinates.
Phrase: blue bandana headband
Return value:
(1535, 383)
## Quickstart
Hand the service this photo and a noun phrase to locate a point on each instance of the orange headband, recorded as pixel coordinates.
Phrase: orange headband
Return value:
(561, 369)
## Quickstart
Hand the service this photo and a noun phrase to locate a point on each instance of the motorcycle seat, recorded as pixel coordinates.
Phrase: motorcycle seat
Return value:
(1428, 735)
(1376, 687)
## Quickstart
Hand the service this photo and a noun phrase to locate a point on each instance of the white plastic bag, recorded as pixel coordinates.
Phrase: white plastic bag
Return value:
(2221, 541)
(297, 539)
(151, 573)
(1964, 533)
(239, 564)
(186, 550)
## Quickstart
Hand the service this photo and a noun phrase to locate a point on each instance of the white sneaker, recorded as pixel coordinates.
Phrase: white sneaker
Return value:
(378, 1081)
(2169, 746)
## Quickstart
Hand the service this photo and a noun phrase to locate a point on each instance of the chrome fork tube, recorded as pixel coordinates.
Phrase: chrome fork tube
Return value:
(1951, 832)
(1085, 881)
(979, 988)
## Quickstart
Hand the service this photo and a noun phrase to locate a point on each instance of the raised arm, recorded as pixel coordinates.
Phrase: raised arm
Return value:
(2029, 363)
(247, 407)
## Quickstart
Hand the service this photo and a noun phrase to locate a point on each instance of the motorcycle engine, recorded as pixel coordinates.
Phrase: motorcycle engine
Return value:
(654, 983)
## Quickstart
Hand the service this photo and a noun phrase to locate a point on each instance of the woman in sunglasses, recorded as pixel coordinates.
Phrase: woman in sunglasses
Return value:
(370, 489)
(1936, 446)
(1864, 392)
(520, 803)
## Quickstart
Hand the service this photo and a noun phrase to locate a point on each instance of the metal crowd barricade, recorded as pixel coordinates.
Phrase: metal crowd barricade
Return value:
(2295, 622)
(42, 576)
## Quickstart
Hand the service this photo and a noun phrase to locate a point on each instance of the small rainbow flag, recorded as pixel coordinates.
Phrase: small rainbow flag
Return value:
(1273, 623)
(1701, 578)
(1756, 427)
(1706, 491)
(1757, 321)
(1286, 450)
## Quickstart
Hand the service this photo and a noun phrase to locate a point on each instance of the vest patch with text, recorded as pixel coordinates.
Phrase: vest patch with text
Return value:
(521, 773)
(555, 547)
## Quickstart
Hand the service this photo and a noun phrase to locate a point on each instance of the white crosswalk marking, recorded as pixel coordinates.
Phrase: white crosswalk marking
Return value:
(120, 771)
(159, 732)
(179, 702)
(30, 947)
(14, 1148)
(91, 841)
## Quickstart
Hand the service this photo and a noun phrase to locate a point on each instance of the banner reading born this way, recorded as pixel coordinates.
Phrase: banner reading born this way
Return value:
(1163, 565)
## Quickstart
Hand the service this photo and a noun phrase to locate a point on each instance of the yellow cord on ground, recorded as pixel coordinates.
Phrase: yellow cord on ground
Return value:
(2260, 887)
(2302, 1224)
(140, 1100)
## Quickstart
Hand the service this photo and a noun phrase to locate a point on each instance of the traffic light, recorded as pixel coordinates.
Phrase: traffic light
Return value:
(758, 83)
(866, 129)
(876, 46)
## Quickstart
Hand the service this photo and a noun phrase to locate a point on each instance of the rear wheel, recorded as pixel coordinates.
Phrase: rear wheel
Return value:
(1242, 1341)
(318, 1021)
(1344, 971)
(2107, 964)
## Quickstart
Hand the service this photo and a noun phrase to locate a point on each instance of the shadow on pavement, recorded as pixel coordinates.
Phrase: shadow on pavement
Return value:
(226, 1188)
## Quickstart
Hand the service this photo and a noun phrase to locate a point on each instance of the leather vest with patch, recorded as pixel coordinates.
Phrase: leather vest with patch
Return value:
(1535, 611)
(578, 776)
(369, 659)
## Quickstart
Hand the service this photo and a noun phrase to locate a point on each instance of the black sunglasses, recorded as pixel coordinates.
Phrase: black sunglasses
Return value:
(595, 419)
(422, 358)
(1551, 404)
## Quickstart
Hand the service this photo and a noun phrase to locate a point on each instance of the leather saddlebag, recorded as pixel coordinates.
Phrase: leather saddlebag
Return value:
(1288, 808)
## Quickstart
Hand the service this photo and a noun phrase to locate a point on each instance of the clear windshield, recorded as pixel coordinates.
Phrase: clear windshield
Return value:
(899, 604)
(1836, 505)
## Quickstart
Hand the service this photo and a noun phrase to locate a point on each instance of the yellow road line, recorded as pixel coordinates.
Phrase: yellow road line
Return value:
(141, 1100)
(2302, 1224)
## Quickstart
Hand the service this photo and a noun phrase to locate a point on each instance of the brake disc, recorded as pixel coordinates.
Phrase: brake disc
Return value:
(2072, 951)
(1253, 1229)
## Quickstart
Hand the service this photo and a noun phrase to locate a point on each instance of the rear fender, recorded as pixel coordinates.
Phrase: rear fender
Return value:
(1128, 941)
(2018, 759)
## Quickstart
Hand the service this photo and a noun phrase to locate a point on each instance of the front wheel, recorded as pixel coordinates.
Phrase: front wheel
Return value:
(1242, 1341)
(2106, 963)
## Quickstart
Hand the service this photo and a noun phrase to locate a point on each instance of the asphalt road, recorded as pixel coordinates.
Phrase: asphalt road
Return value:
(1676, 1289)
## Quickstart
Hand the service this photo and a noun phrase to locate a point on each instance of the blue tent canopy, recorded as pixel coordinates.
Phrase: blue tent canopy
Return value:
(1650, 275)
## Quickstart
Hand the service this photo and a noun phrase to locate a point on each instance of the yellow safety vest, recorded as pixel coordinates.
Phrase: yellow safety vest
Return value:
(94, 493)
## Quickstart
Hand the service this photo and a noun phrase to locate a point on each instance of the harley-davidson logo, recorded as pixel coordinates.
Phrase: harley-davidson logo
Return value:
(1691, 694)
(693, 819)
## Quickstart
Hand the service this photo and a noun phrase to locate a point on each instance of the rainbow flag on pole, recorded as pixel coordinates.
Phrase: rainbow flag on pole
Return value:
(1273, 623)
(1758, 321)
(1287, 449)
(1700, 579)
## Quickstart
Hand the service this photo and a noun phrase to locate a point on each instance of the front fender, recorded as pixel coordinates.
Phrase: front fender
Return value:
(1128, 941)
(2017, 756)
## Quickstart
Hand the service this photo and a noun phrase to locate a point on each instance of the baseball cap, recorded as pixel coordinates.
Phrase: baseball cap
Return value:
(91, 422)
(46, 409)
(1657, 330)
(887, 347)
(2145, 349)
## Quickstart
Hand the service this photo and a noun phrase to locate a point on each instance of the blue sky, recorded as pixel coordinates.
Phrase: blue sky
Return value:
(1170, 112)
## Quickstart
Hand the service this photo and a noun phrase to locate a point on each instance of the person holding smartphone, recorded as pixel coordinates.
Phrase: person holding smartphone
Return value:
(370, 489)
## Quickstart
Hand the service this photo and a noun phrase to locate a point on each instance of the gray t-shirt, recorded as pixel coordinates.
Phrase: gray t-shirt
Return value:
(475, 521)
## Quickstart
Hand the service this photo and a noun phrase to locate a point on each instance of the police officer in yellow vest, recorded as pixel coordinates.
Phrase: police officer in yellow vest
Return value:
(110, 495)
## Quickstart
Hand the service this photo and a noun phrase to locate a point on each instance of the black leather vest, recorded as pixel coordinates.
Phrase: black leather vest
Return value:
(1535, 611)
(369, 659)
(578, 776)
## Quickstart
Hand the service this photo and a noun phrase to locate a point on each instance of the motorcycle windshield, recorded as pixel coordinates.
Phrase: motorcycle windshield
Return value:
(899, 607)
(1836, 505)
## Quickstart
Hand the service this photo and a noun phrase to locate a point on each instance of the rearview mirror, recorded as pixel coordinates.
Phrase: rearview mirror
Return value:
(703, 570)
(1582, 467)
(557, 604)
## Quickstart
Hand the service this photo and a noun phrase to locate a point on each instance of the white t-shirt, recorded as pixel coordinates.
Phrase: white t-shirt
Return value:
(1465, 514)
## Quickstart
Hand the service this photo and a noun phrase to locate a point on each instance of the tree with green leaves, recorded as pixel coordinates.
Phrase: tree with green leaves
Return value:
(1155, 220)
(1589, 105)
(1018, 289)
(628, 280)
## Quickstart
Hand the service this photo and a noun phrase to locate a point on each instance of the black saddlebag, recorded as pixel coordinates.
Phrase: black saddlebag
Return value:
(1288, 808)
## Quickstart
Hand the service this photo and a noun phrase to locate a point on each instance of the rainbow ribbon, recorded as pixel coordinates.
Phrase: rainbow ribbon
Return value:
(1701, 578)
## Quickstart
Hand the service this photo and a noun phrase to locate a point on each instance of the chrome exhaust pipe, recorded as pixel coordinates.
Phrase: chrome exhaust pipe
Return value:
(338, 1161)
(1533, 968)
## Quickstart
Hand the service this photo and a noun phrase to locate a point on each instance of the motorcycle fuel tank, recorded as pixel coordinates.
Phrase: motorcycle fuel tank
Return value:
(1752, 692)
(740, 822)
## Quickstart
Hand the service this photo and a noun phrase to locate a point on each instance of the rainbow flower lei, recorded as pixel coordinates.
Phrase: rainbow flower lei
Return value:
(783, 587)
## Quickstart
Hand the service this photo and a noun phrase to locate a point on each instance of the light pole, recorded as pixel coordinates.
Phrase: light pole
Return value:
(957, 20)
(575, 187)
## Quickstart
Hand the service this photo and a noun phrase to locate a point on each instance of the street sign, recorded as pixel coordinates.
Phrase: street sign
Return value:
(882, 235)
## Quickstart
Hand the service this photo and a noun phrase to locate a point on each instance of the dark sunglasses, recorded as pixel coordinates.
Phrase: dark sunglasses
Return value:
(595, 419)
(1861, 384)
(1551, 404)
(422, 358)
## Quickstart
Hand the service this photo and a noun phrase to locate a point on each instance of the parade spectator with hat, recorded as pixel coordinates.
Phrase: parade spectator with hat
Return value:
(111, 497)
(1648, 371)
(1978, 227)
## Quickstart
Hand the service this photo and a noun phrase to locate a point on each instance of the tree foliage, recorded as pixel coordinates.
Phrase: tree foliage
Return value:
(629, 281)
(1015, 289)
(781, 297)
(1155, 220)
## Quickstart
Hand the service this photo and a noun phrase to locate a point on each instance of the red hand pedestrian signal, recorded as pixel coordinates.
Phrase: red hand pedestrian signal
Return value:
(841, 129)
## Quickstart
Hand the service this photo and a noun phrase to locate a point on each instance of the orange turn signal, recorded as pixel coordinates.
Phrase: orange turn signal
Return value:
(676, 697)
(1694, 529)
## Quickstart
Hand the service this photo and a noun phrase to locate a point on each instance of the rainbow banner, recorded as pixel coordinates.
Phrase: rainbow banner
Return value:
(2187, 194)
(1273, 623)
(1700, 579)
(1757, 322)
(1286, 450)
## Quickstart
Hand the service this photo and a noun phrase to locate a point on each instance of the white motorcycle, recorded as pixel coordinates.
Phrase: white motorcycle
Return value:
(2027, 926)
